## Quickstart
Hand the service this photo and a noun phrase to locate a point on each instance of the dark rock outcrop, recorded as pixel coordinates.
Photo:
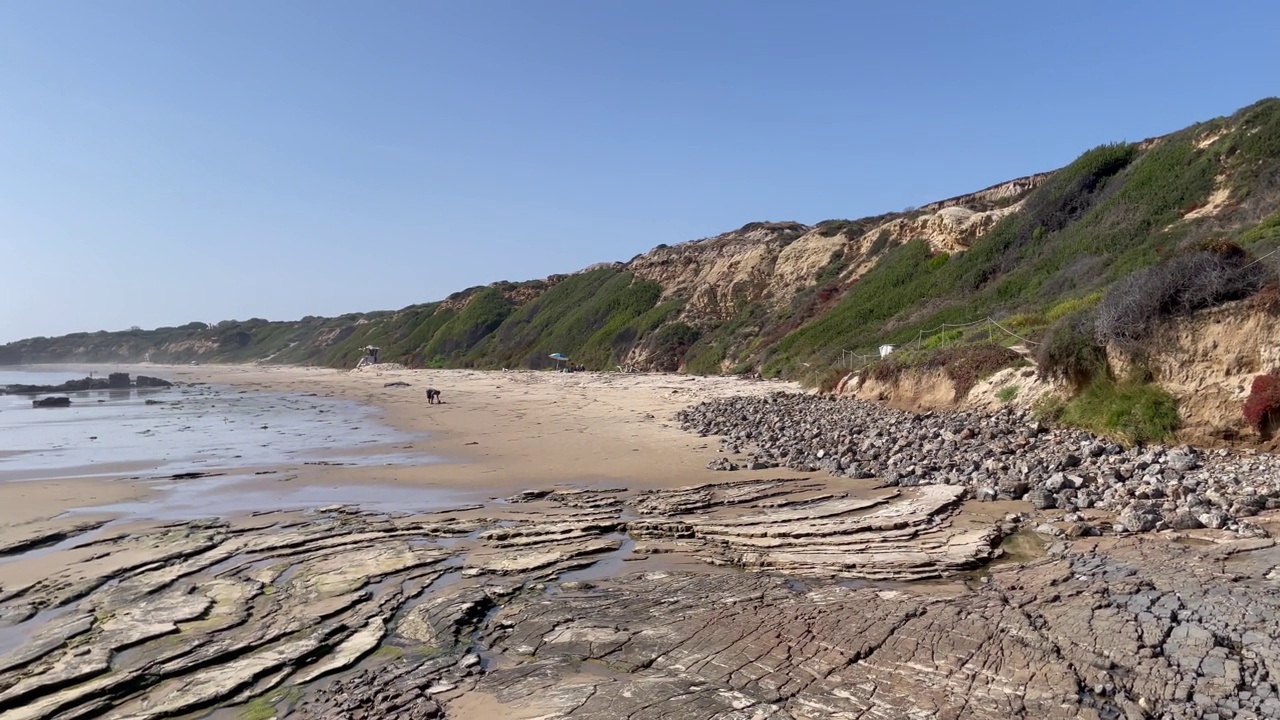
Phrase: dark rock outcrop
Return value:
(115, 381)
(51, 402)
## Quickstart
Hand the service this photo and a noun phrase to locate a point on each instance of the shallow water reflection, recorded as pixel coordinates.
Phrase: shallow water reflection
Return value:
(186, 429)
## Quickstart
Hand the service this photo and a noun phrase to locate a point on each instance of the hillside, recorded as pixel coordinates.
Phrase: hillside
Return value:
(789, 299)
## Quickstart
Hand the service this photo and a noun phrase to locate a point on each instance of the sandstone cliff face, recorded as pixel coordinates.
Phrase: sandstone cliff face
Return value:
(714, 274)
(951, 229)
(1208, 362)
(769, 262)
(953, 224)
(995, 196)
(931, 389)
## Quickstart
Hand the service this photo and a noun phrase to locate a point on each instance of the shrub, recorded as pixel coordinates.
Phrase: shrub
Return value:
(1007, 393)
(669, 344)
(1267, 230)
(1263, 403)
(965, 365)
(880, 243)
(1203, 276)
(1069, 351)
(705, 358)
(1048, 408)
(946, 337)
(1137, 413)
(832, 270)
(1266, 300)
(832, 379)
(1072, 306)
(831, 228)
(1025, 321)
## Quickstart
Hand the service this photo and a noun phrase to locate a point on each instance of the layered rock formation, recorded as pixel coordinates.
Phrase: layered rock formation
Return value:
(344, 615)
(1208, 362)
(163, 621)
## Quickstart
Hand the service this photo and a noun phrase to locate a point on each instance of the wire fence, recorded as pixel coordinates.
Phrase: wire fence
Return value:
(851, 360)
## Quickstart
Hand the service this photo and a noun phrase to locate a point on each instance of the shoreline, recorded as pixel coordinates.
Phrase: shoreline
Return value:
(511, 430)
(497, 433)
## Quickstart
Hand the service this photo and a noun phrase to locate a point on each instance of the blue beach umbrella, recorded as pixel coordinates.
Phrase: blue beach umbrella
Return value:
(559, 358)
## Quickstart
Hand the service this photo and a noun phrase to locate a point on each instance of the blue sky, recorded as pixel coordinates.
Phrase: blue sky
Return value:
(165, 162)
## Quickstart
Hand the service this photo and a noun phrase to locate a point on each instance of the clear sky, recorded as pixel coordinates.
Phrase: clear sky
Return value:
(165, 162)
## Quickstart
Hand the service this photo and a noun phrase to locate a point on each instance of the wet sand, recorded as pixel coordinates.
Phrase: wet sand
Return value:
(496, 433)
(512, 430)
(507, 431)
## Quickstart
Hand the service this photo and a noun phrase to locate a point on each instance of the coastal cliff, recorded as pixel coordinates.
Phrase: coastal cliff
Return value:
(788, 299)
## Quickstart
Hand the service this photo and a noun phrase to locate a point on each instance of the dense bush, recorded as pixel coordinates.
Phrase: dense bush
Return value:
(831, 228)
(667, 346)
(1200, 277)
(1136, 413)
(880, 244)
(942, 339)
(1263, 403)
(1069, 351)
(964, 365)
(1072, 305)
(832, 270)
(1266, 300)
(831, 380)
(967, 364)
(1263, 235)
(484, 312)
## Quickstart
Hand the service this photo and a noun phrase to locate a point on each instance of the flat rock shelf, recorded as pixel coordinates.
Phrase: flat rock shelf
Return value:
(760, 598)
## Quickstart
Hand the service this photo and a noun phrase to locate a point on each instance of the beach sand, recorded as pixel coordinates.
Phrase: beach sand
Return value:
(496, 432)
(509, 431)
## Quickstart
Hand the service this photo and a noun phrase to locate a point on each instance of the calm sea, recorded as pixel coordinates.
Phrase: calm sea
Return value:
(182, 429)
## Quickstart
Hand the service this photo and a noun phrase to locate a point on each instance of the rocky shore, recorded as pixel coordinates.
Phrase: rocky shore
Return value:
(1004, 455)
(783, 595)
(604, 604)
(114, 381)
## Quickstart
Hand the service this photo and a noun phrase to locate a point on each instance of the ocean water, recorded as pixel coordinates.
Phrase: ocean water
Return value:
(39, 377)
(157, 434)
(184, 429)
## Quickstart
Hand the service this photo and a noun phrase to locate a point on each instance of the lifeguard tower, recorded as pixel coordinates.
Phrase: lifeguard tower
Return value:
(370, 356)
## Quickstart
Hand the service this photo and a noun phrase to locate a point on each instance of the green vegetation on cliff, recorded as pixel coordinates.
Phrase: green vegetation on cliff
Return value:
(1117, 209)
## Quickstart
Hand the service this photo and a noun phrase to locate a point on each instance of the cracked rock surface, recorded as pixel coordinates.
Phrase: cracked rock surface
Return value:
(1132, 627)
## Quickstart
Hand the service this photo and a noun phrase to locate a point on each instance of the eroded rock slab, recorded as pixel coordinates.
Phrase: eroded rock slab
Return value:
(344, 615)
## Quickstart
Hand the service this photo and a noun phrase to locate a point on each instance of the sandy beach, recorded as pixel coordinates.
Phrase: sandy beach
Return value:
(513, 430)
(496, 432)
(508, 431)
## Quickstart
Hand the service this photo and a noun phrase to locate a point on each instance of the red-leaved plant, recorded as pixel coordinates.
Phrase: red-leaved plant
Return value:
(1263, 402)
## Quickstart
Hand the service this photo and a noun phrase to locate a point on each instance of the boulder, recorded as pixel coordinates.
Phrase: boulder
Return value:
(51, 402)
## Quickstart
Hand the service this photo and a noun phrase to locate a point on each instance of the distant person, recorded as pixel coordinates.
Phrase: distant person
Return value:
(433, 396)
